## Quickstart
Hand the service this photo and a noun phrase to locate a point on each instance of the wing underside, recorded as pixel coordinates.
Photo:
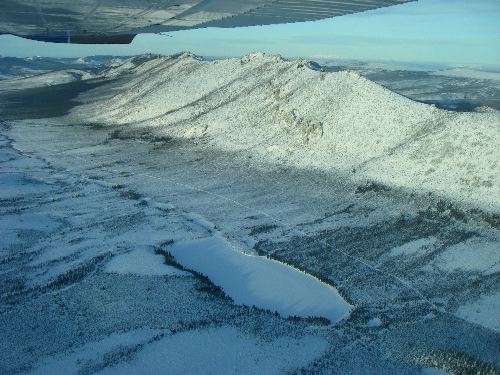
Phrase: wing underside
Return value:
(116, 21)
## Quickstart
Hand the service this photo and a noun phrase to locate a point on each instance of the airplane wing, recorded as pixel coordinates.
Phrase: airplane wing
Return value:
(118, 21)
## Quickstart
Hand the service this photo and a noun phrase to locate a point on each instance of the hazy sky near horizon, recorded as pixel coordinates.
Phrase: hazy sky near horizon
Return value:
(439, 31)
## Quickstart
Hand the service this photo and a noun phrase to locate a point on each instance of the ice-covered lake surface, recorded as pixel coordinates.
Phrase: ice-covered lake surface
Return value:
(128, 247)
(258, 281)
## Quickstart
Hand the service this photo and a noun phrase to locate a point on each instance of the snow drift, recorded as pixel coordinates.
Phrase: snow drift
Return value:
(289, 112)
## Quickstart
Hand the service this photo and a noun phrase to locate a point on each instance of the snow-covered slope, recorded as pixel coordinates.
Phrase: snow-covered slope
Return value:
(288, 113)
(46, 79)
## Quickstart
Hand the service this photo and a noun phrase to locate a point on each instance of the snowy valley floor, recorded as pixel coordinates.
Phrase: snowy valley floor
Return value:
(89, 217)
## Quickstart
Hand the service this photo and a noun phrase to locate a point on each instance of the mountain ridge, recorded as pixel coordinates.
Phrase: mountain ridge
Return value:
(289, 112)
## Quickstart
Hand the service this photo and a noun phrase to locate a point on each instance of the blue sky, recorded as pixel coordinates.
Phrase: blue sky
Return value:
(437, 31)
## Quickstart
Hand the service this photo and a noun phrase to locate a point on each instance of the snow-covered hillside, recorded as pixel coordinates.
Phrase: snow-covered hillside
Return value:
(46, 79)
(287, 112)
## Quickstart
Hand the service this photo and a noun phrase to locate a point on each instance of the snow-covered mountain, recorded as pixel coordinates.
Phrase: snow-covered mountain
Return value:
(46, 79)
(288, 112)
